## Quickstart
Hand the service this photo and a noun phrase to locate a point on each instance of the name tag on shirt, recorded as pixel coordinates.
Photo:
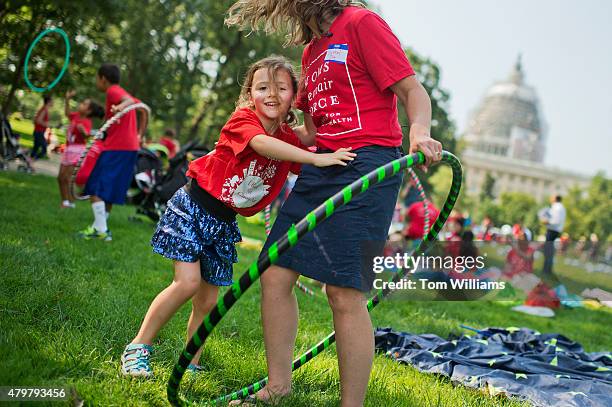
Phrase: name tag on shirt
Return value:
(337, 53)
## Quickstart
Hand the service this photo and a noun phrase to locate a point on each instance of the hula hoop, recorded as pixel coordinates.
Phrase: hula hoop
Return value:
(267, 215)
(64, 67)
(295, 232)
(298, 284)
(101, 135)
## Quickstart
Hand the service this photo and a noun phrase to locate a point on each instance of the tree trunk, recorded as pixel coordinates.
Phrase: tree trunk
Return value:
(34, 29)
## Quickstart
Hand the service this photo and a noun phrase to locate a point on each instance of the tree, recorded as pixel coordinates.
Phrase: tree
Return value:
(518, 207)
(589, 210)
(487, 188)
(22, 21)
(178, 57)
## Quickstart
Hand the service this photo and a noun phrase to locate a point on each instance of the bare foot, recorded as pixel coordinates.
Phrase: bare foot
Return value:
(265, 396)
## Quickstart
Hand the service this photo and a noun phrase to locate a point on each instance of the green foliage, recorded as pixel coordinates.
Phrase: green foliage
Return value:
(488, 208)
(589, 210)
(518, 207)
(178, 57)
(442, 127)
(511, 208)
(429, 74)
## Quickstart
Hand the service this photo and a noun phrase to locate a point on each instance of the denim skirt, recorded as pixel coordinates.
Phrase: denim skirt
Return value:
(336, 252)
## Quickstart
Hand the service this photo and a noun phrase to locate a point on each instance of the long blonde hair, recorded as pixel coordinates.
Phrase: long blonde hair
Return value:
(273, 64)
(290, 16)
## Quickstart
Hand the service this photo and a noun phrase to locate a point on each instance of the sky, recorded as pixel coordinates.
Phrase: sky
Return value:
(566, 56)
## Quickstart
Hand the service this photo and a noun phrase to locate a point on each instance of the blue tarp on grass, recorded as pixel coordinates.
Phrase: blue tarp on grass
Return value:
(544, 369)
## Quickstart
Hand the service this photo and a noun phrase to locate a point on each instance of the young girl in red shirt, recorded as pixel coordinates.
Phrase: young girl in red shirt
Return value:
(246, 171)
(76, 142)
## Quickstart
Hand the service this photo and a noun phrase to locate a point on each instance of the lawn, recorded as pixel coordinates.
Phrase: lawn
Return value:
(69, 307)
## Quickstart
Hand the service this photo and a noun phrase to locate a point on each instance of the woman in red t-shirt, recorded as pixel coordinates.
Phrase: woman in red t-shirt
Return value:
(76, 142)
(242, 175)
(353, 72)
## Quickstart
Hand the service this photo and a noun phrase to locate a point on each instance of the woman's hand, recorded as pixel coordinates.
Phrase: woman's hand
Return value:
(338, 157)
(420, 140)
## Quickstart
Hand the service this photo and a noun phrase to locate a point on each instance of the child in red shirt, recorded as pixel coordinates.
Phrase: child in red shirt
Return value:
(415, 219)
(169, 141)
(41, 122)
(354, 71)
(112, 174)
(520, 257)
(245, 172)
(76, 136)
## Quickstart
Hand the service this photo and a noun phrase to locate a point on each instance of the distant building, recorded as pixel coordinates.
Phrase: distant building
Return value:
(506, 137)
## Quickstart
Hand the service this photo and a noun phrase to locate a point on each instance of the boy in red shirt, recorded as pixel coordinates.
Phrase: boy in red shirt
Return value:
(41, 122)
(76, 136)
(109, 180)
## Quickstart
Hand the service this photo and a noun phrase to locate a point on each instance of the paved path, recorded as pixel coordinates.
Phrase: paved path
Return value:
(46, 167)
(50, 166)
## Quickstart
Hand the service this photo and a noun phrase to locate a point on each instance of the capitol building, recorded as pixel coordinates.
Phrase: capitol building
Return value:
(506, 137)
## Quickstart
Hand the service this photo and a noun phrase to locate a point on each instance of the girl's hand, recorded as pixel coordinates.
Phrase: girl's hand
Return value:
(70, 94)
(338, 157)
(116, 108)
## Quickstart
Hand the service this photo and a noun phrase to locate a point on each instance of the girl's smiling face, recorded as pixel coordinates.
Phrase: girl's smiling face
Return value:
(271, 95)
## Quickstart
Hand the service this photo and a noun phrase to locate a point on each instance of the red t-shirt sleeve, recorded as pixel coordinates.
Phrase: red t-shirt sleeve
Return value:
(381, 51)
(87, 124)
(73, 115)
(114, 94)
(240, 130)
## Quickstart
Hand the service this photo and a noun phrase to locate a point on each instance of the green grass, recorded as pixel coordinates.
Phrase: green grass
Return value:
(68, 308)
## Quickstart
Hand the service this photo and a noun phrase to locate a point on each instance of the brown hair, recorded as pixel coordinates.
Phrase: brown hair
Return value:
(95, 109)
(292, 16)
(272, 63)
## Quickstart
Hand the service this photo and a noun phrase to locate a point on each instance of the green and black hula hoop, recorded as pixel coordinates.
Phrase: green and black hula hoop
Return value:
(295, 232)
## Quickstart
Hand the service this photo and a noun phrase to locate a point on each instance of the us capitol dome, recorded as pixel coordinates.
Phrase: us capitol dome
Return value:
(506, 137)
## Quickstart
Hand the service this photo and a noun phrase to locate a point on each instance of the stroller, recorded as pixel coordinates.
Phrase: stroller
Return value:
(10, 150)
(152, 185)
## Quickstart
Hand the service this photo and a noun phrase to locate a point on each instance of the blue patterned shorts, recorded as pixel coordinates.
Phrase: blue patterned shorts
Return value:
(186, 232)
